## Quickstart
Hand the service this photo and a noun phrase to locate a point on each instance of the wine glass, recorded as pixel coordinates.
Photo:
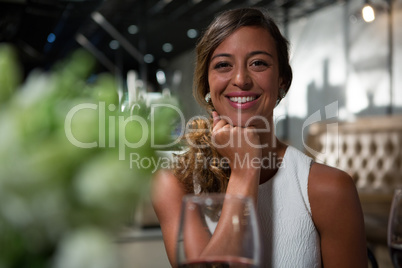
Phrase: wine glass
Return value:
(218, 230)
(395, 229)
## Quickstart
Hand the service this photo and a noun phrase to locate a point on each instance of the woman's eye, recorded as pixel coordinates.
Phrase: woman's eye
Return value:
(259, 63)
(221, 65)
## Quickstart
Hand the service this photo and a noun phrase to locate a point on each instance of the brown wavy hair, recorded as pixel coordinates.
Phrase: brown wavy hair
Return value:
(202, 165)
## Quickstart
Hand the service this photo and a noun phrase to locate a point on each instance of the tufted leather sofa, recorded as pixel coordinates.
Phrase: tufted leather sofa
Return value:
(370, 150)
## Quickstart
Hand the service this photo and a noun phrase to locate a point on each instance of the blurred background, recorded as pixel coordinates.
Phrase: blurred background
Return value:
(346, 64)
(336, 55)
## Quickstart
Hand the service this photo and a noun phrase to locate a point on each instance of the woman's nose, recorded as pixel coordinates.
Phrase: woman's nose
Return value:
(242, 79)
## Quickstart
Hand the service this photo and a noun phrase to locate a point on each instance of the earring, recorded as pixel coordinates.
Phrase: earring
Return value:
(281, 95)
(208, 97)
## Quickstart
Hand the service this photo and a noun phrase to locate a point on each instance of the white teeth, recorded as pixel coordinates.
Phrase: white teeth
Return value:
(242, 99)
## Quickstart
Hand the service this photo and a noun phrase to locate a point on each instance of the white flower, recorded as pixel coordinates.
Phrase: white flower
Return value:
(87, 248)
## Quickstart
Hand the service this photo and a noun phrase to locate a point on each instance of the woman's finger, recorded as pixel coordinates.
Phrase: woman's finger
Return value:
(220, 124)
(215, 117)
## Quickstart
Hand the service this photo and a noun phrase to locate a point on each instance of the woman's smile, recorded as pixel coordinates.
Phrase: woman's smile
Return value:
(244, 77)
(242, 100)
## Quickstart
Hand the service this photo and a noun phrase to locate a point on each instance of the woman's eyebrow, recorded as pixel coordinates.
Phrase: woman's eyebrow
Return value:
(260, 52)
(221, 55)
(250, 54)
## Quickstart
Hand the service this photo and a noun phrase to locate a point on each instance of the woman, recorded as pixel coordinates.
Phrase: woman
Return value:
(310, 215)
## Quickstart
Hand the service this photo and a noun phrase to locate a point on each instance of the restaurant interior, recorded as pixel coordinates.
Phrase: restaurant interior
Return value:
(344, 107)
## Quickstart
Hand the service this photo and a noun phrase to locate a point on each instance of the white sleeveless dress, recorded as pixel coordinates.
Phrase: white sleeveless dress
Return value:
(289, 237)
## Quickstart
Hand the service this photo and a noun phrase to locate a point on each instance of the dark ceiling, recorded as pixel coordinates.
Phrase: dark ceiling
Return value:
(121, 33)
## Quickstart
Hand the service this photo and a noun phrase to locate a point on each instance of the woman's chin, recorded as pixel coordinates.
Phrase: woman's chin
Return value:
(256, 122)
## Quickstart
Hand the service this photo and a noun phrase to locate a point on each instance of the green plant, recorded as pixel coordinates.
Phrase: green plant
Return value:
(60, 202)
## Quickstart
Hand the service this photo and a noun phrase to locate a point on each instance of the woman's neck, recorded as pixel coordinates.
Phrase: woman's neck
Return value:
(268, 140)
(272, 157)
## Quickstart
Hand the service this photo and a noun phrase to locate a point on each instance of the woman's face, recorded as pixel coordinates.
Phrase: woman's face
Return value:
(243, 77)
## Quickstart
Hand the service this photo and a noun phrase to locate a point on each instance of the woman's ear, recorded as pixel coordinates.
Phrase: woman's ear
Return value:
(282, 90)
(282, 84)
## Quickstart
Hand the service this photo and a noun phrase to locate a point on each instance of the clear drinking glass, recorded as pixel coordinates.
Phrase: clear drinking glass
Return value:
(395, 229)
(218, 230)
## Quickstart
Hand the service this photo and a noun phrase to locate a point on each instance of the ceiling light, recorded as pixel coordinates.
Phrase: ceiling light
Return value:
(368, 13)
(114, 44)
(161, 77)
(167, 47)
(192, 33)
(149, 58)
(132, 29)
(51, 38)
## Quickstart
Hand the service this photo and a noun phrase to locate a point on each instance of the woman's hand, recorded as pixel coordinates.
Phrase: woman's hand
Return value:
(241, 148)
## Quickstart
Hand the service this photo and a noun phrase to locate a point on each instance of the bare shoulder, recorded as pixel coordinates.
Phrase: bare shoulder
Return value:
(326, 180)
(164, 178)
(167, 194)
(330, 190)
(338, 217)
(166, 189)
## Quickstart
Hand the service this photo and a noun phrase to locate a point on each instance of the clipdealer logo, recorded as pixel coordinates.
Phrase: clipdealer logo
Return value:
(99, 112)
(328, 138)
(145, 131)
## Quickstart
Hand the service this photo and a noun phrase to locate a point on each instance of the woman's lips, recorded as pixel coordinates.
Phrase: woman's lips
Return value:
(242, 101)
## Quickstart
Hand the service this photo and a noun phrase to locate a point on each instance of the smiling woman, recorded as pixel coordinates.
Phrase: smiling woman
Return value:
(244, 77)
(242, 72)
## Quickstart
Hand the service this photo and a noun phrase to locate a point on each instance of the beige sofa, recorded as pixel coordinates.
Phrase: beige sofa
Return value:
(370, 150)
